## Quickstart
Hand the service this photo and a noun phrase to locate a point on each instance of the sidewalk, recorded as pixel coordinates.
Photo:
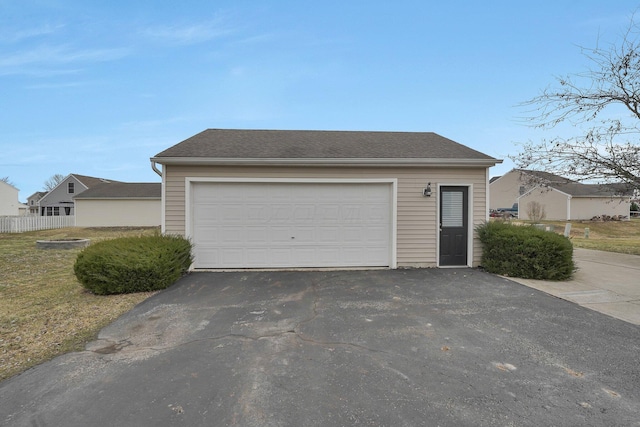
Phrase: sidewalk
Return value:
(607, 282)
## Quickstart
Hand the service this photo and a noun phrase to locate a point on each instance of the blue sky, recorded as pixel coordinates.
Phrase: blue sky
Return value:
(97, 88)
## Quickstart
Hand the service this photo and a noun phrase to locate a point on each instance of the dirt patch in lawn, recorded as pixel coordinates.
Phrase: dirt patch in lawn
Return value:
(44, 311)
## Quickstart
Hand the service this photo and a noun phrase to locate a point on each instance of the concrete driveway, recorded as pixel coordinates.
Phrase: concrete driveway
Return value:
(607, 282)
(435, 347)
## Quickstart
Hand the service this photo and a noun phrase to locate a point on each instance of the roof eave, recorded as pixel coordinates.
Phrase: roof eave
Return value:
(602, 196)
(117, 198)
(342, 162)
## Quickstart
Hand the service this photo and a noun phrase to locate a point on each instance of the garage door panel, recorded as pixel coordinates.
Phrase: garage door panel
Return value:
(304, 213)
(354, 234)
(376, 234)
(280, 214)
(353, 213)
(328, 235)
(257, 256)
(271, 225)
(211, 254)
(303, 235)
(256, 234)
(376, 213)
(306, 256)
(257, 211)
(232, 213)
(328, 212)
(279, 257)
(350, 255)
(206, 234)
(279, 234)
(231, 234)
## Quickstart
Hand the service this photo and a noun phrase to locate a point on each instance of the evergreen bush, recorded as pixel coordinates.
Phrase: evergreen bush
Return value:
(525, 252)
(133, 264)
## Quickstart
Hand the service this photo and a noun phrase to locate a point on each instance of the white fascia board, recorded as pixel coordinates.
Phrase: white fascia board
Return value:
(326, 162)
(117, 198)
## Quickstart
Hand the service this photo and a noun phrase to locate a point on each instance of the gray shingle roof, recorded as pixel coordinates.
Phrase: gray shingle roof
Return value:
(545, 177)
(91, 181)
(575, 188)
(305, 144)
(122, 190)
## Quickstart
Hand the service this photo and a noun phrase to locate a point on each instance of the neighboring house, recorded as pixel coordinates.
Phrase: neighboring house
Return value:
(59, 201)
(287, 199)
(33, 202)
(563, 199)
(9, 204)
(119, 204)
(506, 189)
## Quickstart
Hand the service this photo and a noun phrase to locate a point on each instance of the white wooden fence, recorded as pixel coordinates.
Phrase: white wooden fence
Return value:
(20, 224)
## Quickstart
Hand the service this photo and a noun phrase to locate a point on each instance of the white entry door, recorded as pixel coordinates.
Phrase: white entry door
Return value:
(286, 225)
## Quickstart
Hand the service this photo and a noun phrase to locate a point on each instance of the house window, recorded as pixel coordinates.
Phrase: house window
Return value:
(31, 202)
(71, 188)
(56, 211)
(49, 211)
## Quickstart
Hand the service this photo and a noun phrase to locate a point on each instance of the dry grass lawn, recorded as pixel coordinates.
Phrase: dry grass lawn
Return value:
(610, 236)
(44, 311)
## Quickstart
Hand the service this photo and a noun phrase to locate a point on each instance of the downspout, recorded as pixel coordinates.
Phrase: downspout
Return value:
(155, 168)
(569, 208)
(163, 226)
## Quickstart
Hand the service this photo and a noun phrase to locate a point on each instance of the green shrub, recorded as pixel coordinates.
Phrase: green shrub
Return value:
(133, 264)
(526, 252)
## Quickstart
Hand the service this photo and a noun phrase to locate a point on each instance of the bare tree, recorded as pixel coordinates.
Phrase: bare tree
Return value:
(603, 103)
(536, 211)
(6, 179)
(51, 183)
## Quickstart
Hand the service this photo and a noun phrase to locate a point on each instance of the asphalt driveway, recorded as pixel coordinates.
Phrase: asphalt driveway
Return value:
(433, 347)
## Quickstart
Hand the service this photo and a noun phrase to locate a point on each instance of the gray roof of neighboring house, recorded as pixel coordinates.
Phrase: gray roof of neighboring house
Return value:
(545, 177)
(310, 144)
(573, 188)
(123, 190)
(90, 181)
(38, 194)
(577, 189)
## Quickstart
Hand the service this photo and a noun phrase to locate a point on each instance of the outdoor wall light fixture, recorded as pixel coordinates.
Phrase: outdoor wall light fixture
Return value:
(427, 191)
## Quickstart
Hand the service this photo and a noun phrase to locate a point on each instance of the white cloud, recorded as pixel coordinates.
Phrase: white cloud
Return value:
(58, 85)
(9, 36)
(188, 34)
(61, 55)
(44, 59)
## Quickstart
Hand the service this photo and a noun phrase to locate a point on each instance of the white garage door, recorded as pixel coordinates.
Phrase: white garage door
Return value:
(275, 224)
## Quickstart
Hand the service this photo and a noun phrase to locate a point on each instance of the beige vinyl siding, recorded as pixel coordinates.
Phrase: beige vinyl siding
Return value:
(118, 212)
(416, 215)
(588, 207)
(553, 201)
(505, 190)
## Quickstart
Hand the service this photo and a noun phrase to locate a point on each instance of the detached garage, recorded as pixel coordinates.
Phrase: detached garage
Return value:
(119, 204)
(312, 199)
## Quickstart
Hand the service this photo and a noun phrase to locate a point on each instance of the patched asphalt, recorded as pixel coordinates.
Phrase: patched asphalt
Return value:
(423, 347)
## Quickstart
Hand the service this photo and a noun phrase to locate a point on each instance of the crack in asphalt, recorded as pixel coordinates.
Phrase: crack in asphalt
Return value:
(126, 346)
